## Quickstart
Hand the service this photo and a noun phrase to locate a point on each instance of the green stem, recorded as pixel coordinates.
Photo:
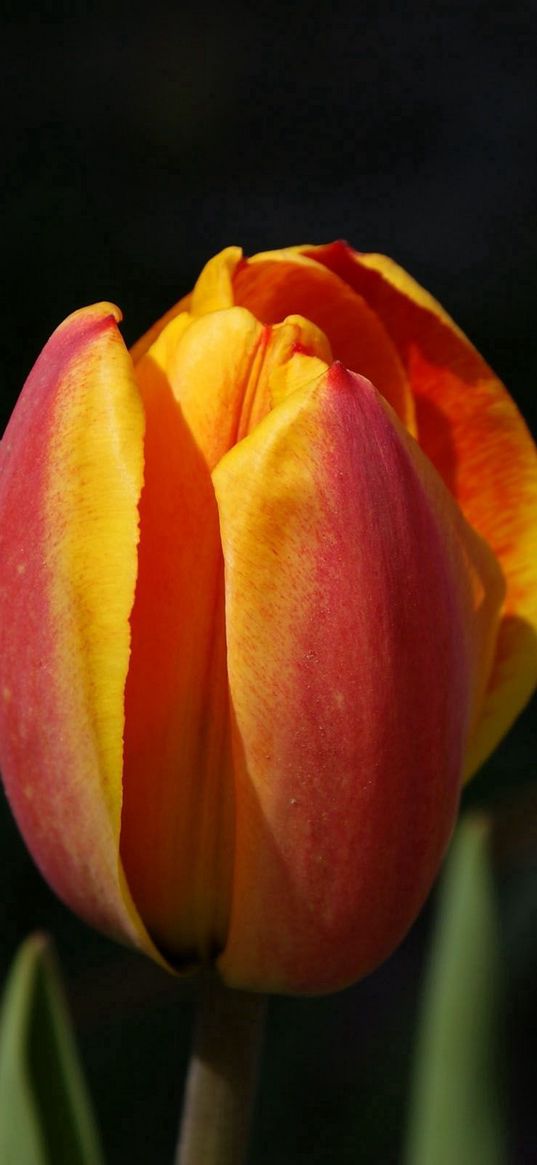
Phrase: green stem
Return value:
(222, 1077)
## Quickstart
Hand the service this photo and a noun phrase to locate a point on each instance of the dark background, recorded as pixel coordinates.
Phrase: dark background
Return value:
(137, 141)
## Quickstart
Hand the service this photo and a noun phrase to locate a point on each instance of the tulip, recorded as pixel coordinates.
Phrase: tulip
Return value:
(268, 594)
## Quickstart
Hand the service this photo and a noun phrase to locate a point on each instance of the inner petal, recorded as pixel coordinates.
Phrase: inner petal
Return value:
(220, 369)
(177, 817)
(205, 384)
(276, 285)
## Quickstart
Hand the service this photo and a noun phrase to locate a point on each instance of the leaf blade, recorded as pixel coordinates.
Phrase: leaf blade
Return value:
(45, 1111)
(455, 1109)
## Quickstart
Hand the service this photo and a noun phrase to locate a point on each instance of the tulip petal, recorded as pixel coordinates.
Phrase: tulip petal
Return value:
(177, 819)
(141, 346)
(360, 611)
(281, 283)
(214, 287)
(212, 292)
(204, 384)
(71, 473)
(221, 370)
(473, 433)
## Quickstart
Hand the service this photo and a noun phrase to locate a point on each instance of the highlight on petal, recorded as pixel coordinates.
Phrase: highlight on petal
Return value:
(360, 616)
(70, 477)
(473, 433)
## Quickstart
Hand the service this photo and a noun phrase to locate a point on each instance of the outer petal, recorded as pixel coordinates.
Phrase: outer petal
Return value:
(472, 431)
(71, 474)
(360, 613)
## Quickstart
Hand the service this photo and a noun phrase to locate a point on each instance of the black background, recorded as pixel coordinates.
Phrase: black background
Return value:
(137, 140)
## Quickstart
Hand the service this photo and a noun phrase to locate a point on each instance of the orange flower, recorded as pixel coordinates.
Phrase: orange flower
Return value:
(269, 587)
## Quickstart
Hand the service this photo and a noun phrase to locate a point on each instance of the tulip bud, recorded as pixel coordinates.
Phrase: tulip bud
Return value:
(267, 592)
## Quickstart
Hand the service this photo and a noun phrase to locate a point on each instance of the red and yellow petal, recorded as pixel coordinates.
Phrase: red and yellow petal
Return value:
(360, 613)
(473, 433)
(71, 473)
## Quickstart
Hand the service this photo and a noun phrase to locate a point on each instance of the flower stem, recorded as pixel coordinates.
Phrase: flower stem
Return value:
(222, 1077)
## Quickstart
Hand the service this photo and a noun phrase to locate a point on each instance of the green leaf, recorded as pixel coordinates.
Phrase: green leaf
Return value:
(45, 1113)
(456, 1113)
